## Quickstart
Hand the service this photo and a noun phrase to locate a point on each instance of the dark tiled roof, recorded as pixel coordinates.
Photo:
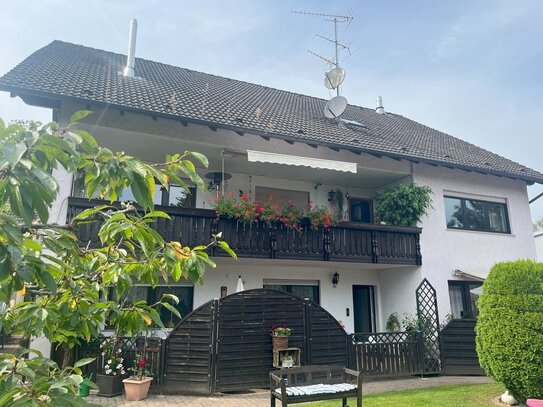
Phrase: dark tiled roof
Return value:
(66, 70)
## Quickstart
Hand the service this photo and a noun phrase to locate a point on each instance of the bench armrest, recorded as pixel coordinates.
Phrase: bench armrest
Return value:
(275, 378)
(351, 372)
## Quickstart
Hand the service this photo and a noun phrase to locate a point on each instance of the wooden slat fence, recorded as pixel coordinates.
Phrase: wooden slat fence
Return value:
(388, 353)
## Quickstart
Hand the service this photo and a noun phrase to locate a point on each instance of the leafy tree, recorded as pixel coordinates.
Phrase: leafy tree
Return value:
(538, 225)
(69, 282)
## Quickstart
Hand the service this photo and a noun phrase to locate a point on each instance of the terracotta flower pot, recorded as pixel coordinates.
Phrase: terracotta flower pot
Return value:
(137, 389)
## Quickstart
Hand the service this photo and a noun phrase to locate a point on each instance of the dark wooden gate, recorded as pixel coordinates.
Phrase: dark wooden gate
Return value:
(458, 348)
(225, 344)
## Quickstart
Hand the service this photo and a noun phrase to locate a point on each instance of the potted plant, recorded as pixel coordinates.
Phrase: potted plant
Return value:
(402, 205)
(280, 336)
(137, 385)
(287, 360)
(110, 380)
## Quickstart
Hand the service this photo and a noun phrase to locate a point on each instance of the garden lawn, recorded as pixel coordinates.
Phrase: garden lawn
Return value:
(469, 395)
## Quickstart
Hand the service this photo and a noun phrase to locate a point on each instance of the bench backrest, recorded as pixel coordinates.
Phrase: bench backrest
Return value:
(306, 375)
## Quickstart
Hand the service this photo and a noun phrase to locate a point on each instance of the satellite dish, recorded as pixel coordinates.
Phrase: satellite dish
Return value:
(335, 107)
(334, 78)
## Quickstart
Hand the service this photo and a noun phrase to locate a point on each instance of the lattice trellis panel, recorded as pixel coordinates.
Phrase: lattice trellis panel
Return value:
(429, 326)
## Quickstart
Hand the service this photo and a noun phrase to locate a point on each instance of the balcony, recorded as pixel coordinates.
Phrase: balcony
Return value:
(347, 242)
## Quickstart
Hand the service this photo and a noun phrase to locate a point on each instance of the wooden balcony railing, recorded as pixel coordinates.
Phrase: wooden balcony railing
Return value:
(347, 242)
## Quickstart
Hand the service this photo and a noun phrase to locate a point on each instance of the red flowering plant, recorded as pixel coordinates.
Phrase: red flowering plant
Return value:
(280, 330)
(268, 211)
(140, 368)
(321, 216)
(291, 216)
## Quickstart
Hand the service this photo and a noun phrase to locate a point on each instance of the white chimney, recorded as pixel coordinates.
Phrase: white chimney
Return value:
(131, 57)
(379, 106)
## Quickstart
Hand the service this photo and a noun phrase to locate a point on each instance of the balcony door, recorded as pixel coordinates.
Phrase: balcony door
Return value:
(360, 210)
(364, 308)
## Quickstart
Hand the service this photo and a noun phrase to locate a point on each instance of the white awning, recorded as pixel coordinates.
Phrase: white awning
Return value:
(476, 275)
(274, 158)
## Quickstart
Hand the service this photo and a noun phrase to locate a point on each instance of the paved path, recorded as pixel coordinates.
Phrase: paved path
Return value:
(260, 398)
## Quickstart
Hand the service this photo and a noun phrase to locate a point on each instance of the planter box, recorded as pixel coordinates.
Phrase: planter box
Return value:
(137, 389)
(109, 386)
(279, 342)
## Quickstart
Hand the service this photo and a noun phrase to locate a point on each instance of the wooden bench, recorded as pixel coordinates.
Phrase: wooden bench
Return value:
(315, 383)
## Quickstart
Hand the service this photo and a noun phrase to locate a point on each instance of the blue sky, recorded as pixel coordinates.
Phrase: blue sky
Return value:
(473, 69)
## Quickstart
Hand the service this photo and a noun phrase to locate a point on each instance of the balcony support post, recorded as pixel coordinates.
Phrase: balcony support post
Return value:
(374, 247)
(273, 241)
(214, 231)
(418, 253)
(326, 244)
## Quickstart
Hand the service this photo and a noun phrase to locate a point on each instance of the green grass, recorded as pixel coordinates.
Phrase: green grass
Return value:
(468, 395)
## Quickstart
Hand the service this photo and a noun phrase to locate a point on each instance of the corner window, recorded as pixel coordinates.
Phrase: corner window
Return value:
(300, 288)
(464, 296)
(474, 214)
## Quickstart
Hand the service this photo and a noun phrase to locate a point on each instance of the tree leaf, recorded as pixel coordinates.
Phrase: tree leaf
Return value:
(83, 362)
(79, 115)
(14, 152)
(200, 157)
(157, 214)
(223, 245)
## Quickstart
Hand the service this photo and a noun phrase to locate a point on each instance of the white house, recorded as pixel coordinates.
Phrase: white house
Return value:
(480, 213)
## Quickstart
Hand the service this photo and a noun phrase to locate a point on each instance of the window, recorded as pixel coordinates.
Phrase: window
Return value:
(175, 196)
(463, 296)
(300, 288)
(299, 199)
(361, 210)
(473, 214)
(152, 295)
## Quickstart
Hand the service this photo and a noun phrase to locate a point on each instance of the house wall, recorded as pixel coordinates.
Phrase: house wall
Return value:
(538, 239)
(335, 300)
(445, 250)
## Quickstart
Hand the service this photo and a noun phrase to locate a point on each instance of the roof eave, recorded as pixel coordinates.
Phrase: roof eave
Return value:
(25, 93)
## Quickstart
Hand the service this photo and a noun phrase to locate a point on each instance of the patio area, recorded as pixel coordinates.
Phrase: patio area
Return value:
(260, 397)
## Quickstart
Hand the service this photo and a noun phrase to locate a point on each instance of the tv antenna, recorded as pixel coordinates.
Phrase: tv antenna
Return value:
(338, 72)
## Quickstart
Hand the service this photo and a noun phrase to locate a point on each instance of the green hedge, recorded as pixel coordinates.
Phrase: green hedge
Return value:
(510, 327)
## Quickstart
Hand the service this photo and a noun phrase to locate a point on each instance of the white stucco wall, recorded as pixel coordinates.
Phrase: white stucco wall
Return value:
(445, 250)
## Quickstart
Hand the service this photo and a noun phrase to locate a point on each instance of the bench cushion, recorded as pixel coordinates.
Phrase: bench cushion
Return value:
(534, 403)
(317, 389)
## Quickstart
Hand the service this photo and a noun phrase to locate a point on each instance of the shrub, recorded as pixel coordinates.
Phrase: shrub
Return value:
(510, 327)
(403, 205)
